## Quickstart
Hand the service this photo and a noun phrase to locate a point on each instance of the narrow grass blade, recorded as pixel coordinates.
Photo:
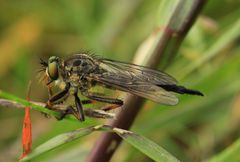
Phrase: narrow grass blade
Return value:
(58, 141)
(146, 146)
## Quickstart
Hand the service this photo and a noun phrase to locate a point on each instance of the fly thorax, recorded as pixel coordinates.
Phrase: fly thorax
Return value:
(77, 69)
(74, 79)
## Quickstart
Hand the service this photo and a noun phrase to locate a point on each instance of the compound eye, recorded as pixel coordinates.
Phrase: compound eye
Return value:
(52, 70)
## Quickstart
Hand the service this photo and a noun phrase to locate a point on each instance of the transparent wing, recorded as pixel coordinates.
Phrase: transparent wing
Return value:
(138, 80)
(141, 72)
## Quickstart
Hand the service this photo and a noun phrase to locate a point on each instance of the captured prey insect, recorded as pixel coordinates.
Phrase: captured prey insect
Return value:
(81, 72)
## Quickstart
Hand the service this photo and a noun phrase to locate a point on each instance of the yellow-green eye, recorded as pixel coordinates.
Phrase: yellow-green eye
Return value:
(52, 69)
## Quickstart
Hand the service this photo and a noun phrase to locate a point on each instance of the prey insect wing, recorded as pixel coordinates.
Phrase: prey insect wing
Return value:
(138, 80)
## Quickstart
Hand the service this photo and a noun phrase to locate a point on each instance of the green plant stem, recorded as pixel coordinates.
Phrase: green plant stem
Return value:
(9, 100)
(11, 97)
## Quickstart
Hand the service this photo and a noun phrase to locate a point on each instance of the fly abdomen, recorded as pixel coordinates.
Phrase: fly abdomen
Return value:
(180, 89)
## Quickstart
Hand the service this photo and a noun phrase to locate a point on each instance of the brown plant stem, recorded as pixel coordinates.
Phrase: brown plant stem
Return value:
(164, 48)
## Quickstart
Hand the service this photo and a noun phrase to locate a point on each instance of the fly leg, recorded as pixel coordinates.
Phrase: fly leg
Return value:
(79, 114)
(99, 97)
(71, 110)
(60, 95)
(61, 100)
(111, 107)
(88, 102)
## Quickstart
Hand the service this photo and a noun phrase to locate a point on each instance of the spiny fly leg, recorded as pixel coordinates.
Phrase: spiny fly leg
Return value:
(55, 98)
(111, 107)
(88, 102)
(80, 113)
(58, 96)
(99, 97)
(69, 110)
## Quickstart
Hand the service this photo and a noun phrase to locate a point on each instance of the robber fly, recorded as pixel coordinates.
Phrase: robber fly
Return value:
(81, 72)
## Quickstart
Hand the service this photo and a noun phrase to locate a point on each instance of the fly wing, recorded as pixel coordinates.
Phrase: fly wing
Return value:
(144, 73)
(138, 80)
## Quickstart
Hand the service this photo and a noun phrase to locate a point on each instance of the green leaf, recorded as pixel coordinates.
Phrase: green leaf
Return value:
(146, 146)
(9, 96)
(58, 141)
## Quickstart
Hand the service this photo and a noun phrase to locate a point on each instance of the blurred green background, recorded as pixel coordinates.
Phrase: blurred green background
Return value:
(208, 60)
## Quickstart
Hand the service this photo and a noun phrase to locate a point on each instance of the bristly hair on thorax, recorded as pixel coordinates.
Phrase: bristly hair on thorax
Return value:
(87, 52)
